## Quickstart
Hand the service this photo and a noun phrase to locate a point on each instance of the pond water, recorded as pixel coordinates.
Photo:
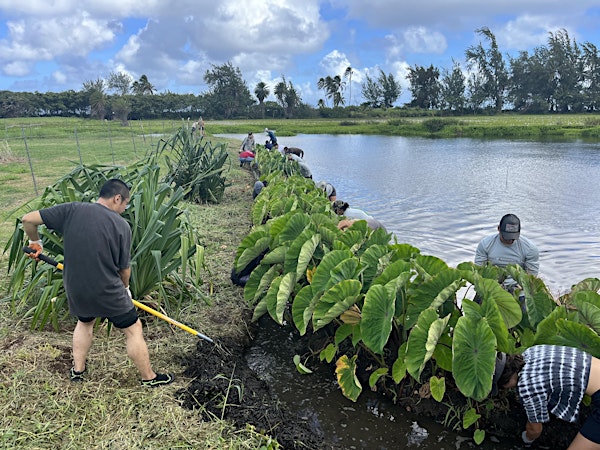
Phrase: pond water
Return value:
(443, 196)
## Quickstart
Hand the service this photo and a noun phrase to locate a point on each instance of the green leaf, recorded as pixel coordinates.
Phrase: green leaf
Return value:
(345, 370)
(377, 316)
(437, 387)
(306, 254)
(474, 357)
(275, 256)
(322, 277)
(328, 353)
(273, 307)
(376, 375)
(577, 335)
(283, 294)
(423, 340)
(479, 436)
(470, 418)
(302, 309)
(399, 366)
(335, 301)
(301, 368)
(252, 253)
(509, 308)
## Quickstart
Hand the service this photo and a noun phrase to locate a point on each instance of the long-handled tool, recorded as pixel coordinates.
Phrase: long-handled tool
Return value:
(154, 312)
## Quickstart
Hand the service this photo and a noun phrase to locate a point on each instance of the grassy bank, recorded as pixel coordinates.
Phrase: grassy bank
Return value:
(39, 407)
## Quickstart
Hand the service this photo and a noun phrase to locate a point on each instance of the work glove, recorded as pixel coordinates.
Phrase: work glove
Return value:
(128, 292)
(526, 440)
(37, 248)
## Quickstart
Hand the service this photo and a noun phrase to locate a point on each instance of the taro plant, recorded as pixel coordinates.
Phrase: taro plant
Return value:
(195, 166)
(387, 302)
(163, 242)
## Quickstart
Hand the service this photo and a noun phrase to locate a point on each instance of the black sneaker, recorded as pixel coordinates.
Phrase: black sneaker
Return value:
(76, 376)
(159, 380)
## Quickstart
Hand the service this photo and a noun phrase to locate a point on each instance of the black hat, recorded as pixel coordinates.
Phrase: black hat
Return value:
(510, 227)
(500, 363)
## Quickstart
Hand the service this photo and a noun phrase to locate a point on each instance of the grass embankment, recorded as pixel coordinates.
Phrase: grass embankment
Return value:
(39, 407)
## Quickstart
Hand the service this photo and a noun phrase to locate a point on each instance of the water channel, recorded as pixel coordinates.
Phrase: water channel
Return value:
(442, 196)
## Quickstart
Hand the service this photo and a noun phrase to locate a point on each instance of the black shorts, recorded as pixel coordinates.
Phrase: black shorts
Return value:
(591, 428)
(120, 321)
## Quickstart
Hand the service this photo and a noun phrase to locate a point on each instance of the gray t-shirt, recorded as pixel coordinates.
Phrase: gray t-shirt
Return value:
(97, 245)
(522, 252)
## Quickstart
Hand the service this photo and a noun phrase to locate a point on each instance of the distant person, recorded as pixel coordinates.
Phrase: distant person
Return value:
(342, 208)
(201, 126)
(508, 247)
(304, 169)
(372, 223)
(553, 379)
(294, 150)
(97, 251)
(258, 187)
(272, 137)
(248, 143)
(268, 145)
(328, 189)
(246, 157)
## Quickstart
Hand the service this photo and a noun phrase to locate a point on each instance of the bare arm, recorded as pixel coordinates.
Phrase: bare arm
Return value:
(533, 430)
(31, 221)
(125, 274)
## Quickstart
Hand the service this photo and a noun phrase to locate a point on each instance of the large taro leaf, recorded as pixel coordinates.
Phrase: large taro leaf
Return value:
(271, 300)
(427, 265)
(509, 308)
(377, 317)
(491, 312)
(589, 284)
(302, 308)
(378, 237)
(588, 307)
(374, 260)
(258, 283)
(346, 270)
(350, 239)
(405, 251)
(335, 301)
(294, 226)
(286, 286)
(260, 209)
(392, 271)
(275, 256)
(251, 253)
(422, 341)
(345, 370)
(434, 292)
(547, 330)
(473, 357)
(306, 254)
(573, 334)
(293, 252)
(538, 299)
(322, 276)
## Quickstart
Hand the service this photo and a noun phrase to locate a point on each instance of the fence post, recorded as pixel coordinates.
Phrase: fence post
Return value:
(111, 146)
(30, 164)
(78, 149)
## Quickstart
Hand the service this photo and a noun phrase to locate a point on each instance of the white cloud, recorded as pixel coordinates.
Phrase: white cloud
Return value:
(423, 40)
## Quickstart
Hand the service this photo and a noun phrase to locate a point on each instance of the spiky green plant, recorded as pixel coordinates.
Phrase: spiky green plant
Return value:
(195, 166)
(163, 240)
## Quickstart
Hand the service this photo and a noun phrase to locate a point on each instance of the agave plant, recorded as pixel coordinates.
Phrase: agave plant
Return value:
(163, 241)
(195, 166)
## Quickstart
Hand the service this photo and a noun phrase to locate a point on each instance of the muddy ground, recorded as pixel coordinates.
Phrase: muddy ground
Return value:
(221, 373)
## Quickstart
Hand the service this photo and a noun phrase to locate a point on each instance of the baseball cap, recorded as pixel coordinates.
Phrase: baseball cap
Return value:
(510, 227)
(500, 364)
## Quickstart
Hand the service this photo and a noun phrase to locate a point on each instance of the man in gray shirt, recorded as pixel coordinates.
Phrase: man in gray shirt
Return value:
(508, 247)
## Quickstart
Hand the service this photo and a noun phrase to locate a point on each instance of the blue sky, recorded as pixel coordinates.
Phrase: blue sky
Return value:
(57, 45)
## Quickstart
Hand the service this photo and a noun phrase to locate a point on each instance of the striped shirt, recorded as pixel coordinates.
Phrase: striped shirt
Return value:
(554, 379)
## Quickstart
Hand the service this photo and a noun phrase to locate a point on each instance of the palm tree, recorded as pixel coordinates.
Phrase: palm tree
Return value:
(142, 86)
(261, 91)
(348, 76)
(333, 87)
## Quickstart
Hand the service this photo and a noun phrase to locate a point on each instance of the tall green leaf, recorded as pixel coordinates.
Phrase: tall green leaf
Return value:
(377, 317)
(473, 357)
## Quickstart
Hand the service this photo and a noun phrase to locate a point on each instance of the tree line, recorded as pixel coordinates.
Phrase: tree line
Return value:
(561, 76)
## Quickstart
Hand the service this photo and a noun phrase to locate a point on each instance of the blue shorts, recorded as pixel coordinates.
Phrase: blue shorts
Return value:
(120, 321)
(591, 428)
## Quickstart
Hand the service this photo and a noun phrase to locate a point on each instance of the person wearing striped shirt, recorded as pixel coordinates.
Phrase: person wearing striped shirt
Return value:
(554, 379)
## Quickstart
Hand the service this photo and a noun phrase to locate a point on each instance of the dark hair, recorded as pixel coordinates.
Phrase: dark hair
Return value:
(113, 187)
(514, 364)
